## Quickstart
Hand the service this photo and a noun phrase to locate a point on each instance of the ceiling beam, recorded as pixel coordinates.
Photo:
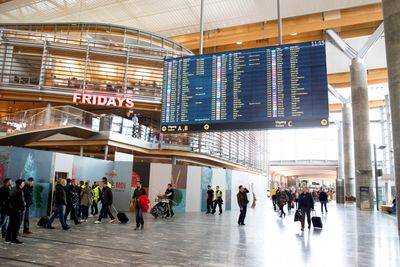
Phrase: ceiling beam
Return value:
(342, 80)
(351, 22)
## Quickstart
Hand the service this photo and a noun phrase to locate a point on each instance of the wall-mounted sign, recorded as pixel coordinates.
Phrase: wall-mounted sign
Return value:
(100, 100)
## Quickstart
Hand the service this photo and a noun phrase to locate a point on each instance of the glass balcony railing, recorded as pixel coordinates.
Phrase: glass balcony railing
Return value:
(48, 118)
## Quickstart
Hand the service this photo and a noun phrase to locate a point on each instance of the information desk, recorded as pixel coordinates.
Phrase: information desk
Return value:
(270, 87)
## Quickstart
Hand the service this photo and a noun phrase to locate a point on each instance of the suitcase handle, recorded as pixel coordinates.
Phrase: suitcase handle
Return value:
(313, 212)
(114, 209)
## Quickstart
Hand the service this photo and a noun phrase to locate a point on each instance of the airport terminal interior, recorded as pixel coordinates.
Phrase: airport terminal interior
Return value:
(199, 133)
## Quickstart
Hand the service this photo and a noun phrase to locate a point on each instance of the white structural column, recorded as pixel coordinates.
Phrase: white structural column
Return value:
(391, 18)
(362, 140)
(361, 135)
(348, 150)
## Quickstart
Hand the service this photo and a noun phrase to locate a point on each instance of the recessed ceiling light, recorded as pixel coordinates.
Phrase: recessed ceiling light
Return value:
(294, 34)
(239, 43)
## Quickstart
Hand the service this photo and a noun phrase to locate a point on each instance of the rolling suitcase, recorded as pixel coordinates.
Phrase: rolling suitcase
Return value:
(122, 218)
(316, 221)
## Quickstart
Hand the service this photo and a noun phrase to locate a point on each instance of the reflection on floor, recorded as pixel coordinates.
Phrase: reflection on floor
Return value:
(349, 238)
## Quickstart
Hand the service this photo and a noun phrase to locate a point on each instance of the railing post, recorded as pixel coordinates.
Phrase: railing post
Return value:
(86, 66)
(43, 66)
(126, 70)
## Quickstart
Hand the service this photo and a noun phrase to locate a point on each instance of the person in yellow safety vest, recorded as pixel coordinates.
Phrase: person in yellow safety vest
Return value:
(94, 210)
(218, 200)
(273, 197)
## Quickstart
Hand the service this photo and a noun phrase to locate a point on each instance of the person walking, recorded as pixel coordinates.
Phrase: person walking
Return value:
(170, 195)
(139, 191)
(273, 197)
(290, 199)
(4, 206)
(86, 200)
(306, 204)
(94, 210)
(218, 200)
(323, 199)
(17, 207)
(242, 202)
(210, 198)
(282, 199)
(106, 201)
(60, 202)
(28, 196)
(72, 201)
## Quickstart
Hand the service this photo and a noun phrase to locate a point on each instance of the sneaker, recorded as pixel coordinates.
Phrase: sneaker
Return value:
(27, 233)
(66, 227)
(50, 227)
(17, 242)
(97, 222)
(112, 221)
(141, 227)
(78, 222)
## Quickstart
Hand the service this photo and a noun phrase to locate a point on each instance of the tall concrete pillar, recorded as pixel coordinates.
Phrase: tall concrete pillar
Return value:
(391, 18)
(340, 168)
(348, 150)
(362, 143)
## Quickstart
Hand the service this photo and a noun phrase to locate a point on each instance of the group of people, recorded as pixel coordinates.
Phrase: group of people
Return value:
(14, 208)
(213, 202)
(302, 199)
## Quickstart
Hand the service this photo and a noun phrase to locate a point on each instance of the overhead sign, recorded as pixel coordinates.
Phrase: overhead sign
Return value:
(270, 87)
(112, 101)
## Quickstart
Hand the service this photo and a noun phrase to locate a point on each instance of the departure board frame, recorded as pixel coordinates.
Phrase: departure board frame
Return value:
(262, 88)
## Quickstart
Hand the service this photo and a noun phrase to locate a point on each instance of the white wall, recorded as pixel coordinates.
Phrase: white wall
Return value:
(193, 189)
(260, 185)
(160, 177)
(63, 163)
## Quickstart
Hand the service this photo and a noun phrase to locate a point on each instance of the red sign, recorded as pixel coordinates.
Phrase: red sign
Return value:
(112, 101)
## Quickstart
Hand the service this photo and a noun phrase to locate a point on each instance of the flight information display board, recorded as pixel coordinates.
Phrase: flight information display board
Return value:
(270, 87)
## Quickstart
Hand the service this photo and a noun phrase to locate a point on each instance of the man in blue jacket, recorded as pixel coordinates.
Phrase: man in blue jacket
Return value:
(306, 204)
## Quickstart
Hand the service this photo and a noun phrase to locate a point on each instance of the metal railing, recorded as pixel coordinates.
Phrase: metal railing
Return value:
(48, 118)
(66, 62)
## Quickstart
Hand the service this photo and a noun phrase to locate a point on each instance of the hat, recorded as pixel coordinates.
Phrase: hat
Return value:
(30, 179)
(18, 182)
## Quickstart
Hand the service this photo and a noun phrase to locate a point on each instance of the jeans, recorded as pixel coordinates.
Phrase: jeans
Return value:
(304, 212)
(4, 219)
(94, 210)
(26, 220)
(242, 215)
(14, 225)
(323, 204)
(85, 212)
(139, 216)
(74, 213)
(60, 211)
(105, 209)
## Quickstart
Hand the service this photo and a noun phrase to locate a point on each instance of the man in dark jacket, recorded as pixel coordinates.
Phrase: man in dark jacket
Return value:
(139, 212)
(17, 207)
(4, 206)
(323, 198)
(242, 202)
(306, 204)
(170, 195)
(28, 192)
(106, 201)
(60, 201)
(72, 201)
(210, 199)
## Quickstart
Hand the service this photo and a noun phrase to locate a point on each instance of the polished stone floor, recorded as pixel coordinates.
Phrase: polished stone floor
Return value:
(349, 238)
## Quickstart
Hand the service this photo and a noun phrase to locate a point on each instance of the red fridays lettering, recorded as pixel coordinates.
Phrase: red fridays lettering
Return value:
(103, 100)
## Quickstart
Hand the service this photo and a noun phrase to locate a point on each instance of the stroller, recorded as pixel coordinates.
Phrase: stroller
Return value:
(159, 210)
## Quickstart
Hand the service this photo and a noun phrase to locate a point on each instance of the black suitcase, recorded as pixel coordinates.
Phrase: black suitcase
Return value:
(43, 221)
(316, 221)
(122, 218)
(297, 216)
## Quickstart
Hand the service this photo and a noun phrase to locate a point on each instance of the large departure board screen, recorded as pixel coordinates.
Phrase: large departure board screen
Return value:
(270, 87)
